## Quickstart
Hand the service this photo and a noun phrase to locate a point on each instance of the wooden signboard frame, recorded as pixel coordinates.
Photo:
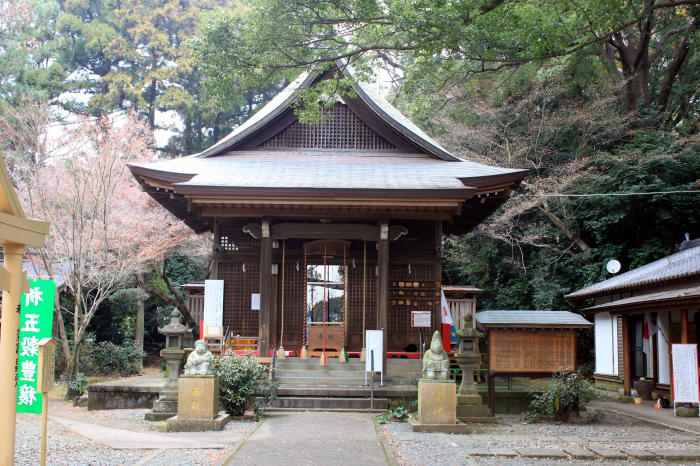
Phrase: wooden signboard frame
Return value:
(513, 353)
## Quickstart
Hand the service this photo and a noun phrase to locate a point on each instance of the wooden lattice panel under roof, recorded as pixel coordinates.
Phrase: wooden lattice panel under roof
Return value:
(340, 128)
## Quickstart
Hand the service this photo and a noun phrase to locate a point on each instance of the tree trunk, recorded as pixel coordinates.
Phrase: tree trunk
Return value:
(139, 330)
(561, 224)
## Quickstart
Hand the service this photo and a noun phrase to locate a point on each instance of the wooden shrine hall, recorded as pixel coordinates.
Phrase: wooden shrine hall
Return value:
(337, 226)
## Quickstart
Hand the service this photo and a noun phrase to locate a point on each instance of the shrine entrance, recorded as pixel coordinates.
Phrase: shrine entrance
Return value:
(325, 300)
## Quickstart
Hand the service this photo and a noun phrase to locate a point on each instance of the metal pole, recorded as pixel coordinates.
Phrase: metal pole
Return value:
(8, 352)
(44, 417)
(371, 391)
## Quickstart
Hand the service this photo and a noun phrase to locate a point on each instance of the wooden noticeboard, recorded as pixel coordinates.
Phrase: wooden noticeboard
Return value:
(514, 350)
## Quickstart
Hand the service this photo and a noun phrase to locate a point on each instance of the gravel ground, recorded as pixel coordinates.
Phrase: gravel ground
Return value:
(614, 432)
(65, 447)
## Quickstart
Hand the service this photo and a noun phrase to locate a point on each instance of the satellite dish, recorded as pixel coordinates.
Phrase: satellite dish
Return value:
(613, 266)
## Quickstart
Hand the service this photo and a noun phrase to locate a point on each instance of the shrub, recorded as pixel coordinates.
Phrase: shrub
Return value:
(567, 392)
(110, 359)
(241, 379)
(76, 386)
(104, 358)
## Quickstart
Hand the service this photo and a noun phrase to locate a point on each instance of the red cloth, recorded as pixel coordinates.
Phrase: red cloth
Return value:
(446, 337)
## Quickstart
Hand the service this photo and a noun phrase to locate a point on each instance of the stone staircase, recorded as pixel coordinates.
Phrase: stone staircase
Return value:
(305, 385)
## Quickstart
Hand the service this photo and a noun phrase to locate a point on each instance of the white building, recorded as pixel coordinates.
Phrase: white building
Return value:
(640, 313)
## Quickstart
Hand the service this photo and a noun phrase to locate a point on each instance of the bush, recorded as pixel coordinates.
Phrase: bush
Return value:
(567, 392)
(76, 386)
(104, 358)
(241, 379)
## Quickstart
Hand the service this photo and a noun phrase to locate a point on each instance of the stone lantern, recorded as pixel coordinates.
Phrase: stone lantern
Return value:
(166, 404)
(470, 406)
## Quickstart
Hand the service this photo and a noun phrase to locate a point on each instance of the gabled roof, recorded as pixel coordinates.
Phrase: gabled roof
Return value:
(549, 319)
(366, 161)
(678, 266)
(382, 109)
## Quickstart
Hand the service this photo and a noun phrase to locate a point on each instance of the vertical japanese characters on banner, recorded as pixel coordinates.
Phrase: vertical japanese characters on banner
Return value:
(35, 323)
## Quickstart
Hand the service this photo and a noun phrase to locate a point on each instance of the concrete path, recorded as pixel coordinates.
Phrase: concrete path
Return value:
(311, 438)
(647, 413)
(124, 439)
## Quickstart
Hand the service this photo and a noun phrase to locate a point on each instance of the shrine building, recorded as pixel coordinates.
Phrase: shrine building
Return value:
(324, 231)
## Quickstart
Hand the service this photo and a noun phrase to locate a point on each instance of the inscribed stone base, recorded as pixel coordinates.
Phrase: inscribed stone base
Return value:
(437, 402)
(176, 424)
(198, 397)
(459, 428)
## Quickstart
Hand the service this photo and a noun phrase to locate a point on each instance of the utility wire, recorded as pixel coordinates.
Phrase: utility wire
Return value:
(650, 193)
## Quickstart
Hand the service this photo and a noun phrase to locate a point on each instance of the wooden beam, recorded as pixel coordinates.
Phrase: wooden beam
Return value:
(265, 293)
(685, 334)
(20, 230)
(383, 283)
(626, 359)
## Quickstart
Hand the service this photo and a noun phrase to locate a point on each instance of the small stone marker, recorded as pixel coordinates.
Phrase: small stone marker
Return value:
(437, 403)
(198, 395)
(437, 395)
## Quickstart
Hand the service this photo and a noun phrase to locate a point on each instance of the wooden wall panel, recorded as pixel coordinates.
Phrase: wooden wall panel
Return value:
(531, 350)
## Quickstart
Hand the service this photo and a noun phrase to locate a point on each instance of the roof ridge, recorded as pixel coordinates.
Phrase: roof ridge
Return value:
(381, 107)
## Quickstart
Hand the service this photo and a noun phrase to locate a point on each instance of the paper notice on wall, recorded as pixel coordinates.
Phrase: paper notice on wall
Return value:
(213, 303)
(255, 302)
(685, 373)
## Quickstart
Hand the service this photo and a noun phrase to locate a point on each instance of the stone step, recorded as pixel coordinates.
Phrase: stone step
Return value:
(333, 374)
(327, 403)
(319, 380)
(320, 369)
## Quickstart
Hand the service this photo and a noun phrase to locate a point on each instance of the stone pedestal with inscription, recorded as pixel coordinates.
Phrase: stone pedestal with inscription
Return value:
(437, 408)
(198, 405)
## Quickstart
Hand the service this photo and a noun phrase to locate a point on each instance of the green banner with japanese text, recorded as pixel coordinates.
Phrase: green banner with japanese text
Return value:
(35, 323)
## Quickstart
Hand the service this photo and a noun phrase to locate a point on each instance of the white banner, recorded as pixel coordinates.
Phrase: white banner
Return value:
(685, 373)
(446, 314)
(213, 303)
(375, 345)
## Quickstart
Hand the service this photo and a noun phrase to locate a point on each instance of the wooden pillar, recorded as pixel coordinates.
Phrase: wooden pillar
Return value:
(8, 351)
(626, 359)
(274, 314)
(383, 284)
(265, 291)
(685, 334)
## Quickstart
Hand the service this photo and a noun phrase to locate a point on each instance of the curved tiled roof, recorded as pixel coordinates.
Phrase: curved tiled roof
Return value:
(531, 318)
(681, 265)
(320, 169)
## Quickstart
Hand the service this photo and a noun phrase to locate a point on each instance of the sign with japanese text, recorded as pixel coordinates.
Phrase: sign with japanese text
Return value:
(35, 324)
(420, 319)
(213, 303)
(685, 373)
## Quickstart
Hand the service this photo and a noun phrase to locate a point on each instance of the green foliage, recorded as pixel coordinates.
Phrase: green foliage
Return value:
(565, 394)
(104, 358)
(76, 386)
(241, 380)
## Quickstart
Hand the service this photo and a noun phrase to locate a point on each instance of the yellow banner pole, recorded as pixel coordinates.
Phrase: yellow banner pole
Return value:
(8, 351)
(44, 419)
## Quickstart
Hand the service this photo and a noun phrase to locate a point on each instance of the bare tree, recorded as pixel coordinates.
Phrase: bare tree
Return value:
(103, 228)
